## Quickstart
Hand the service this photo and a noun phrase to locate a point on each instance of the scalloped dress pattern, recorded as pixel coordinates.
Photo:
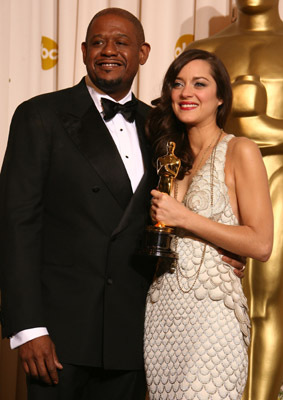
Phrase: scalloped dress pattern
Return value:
(197, 326)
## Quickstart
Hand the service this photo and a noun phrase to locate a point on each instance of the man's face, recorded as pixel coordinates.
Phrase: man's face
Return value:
(112, 54)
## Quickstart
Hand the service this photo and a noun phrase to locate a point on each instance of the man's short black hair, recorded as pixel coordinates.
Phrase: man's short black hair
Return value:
(121, 13)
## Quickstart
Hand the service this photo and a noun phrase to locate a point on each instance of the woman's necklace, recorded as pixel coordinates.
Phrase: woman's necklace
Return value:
(215, 141)
(194, 170)
(175, 266)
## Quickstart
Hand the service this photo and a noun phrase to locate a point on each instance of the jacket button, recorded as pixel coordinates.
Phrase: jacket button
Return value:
(95, 189)
(109, 281)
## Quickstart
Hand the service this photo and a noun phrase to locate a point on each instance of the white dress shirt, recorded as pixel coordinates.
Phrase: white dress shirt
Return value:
(126, 139)
(125, 136)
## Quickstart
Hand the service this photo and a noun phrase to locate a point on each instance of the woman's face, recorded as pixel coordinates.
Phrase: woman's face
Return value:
(194, 99)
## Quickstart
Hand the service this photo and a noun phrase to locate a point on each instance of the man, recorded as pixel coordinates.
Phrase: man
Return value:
(71, 213)
(74, 195)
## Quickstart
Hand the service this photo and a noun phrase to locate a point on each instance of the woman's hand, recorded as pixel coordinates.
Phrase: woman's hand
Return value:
(166, 209)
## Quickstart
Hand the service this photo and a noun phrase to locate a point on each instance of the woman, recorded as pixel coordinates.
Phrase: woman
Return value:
(197, 327)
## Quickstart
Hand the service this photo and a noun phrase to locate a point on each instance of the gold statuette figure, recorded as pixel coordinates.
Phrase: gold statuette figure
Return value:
(158, 237)
(251, 49)
(167, 168)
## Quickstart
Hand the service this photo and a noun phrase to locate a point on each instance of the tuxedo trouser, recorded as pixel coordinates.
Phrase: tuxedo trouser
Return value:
(89, 383)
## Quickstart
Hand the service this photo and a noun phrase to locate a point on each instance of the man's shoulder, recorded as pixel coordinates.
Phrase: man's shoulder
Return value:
(72, 98)
(143, 108)
(59, 94)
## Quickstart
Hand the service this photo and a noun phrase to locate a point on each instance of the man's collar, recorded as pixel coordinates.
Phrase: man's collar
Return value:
(97, 94)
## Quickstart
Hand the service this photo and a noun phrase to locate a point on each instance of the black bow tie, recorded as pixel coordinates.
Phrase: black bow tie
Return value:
(128, 110)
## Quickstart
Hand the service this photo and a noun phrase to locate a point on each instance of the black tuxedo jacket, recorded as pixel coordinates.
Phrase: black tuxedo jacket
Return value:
(70, 227)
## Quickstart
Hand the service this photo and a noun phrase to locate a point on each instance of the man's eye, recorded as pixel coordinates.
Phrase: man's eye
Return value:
(97, 42)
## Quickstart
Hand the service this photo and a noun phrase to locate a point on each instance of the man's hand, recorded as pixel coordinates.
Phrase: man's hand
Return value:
(237, 262)
(39, 359)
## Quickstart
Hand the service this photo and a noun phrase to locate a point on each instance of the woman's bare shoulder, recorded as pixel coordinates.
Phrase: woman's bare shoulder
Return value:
(240, 146)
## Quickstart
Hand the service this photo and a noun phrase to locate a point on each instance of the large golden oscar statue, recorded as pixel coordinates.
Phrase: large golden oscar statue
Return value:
(252, 50)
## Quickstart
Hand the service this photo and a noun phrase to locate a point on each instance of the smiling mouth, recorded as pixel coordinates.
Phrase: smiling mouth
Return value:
(188, 106)
(108, 64)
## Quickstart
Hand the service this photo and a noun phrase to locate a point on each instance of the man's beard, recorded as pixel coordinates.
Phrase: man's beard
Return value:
(108, 86)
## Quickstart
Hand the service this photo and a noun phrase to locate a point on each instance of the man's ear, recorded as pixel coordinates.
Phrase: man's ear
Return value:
(144, 53)
(83, 47)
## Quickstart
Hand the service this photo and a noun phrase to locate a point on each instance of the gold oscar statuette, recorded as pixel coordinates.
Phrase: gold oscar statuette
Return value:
(158, 237)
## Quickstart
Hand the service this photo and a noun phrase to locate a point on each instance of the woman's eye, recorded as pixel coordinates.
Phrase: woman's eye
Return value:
(200, 84)
(177, 84)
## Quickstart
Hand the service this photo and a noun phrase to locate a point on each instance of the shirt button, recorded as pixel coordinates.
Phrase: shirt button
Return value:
(95, 189)
(109, 281)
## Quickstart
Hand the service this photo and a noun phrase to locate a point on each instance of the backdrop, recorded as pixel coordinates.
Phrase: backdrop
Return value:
(40, 52)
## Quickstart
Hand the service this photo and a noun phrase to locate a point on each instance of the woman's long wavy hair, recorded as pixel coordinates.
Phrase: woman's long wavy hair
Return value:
(163, 126)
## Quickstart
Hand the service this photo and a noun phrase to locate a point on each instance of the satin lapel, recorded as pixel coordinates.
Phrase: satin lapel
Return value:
(145, 147)
(141, 197)
(94, 141)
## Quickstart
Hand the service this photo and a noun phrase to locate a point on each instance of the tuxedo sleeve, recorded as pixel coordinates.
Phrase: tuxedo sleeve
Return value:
(23, 175)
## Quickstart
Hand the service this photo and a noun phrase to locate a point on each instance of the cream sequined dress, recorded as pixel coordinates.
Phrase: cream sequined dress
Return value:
(196, 326)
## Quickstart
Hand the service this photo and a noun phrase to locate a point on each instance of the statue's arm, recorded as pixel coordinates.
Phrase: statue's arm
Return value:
(248, 116)
(265, 131)
(173, 168)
